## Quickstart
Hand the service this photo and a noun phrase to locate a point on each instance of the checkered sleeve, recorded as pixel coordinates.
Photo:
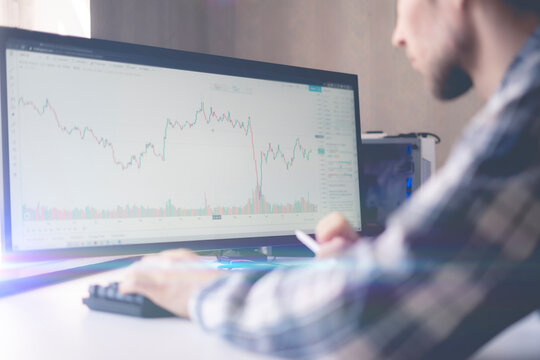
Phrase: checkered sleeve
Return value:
(296, 312)
(473, 235)
(467, 284)
(471, 264)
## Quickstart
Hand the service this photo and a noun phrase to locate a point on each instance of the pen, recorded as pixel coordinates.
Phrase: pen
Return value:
(308, 241)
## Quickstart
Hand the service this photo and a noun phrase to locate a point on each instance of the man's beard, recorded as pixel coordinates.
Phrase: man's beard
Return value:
(450, 82)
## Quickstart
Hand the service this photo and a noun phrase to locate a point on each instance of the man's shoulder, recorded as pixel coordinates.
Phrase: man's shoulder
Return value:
(516, 106)
(523, 77)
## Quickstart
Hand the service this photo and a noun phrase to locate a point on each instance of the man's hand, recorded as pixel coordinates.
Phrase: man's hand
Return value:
(335, 235)
(169, 279)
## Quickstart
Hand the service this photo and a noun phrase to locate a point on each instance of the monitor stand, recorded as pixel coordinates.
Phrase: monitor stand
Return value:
(247, 255)
(265, 258)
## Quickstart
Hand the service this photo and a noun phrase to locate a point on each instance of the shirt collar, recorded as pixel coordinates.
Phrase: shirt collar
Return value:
(531, 46)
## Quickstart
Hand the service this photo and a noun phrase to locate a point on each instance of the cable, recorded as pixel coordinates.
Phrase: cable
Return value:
(417, 134)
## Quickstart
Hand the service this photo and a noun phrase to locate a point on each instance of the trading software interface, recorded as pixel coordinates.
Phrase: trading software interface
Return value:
(108, 152)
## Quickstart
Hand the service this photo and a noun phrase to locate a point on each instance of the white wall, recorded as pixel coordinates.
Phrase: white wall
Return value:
(66, 17)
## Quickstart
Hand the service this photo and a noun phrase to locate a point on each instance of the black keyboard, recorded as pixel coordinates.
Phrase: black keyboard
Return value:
(109, 299)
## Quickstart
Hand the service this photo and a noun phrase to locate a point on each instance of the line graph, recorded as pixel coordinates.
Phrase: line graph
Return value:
(150, 148)
(257, 204)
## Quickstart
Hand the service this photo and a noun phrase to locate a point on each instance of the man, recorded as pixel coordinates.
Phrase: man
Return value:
(457, 265)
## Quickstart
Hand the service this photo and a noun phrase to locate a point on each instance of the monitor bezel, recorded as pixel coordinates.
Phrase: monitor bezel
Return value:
(174, 59)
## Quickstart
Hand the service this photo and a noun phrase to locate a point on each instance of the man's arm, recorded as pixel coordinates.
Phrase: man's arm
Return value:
(296, 312)
(472, 233)
(456, 294)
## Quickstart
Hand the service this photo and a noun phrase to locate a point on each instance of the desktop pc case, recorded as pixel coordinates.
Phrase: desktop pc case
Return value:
(394, 168)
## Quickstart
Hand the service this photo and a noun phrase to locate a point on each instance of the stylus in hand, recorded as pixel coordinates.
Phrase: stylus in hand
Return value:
(307, 240)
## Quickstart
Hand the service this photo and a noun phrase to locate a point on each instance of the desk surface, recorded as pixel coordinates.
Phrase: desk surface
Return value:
(52, 323)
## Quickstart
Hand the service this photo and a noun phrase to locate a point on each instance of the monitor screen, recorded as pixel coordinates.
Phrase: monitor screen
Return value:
(109, 145)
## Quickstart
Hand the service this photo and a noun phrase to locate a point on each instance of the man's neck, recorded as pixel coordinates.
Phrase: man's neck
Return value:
(500, 34)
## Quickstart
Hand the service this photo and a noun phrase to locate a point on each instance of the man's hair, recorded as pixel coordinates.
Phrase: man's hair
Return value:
(525, 5)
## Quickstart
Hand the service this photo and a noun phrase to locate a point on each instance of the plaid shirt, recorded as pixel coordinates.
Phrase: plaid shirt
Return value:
(457, 264)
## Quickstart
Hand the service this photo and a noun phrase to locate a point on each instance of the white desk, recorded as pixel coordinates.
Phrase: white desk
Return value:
(52, 323)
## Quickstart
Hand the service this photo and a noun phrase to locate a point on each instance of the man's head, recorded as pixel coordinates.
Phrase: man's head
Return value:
(439, 36)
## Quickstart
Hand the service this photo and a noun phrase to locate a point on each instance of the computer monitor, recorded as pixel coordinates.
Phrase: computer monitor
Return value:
(114, 148)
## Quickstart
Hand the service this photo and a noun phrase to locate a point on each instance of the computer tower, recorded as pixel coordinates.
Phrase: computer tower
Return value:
(394, 168)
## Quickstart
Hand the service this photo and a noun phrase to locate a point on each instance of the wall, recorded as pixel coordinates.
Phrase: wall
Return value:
(343, 35)
(68, 17)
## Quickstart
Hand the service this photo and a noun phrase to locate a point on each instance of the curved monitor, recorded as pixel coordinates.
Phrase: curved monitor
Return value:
(113, 148)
